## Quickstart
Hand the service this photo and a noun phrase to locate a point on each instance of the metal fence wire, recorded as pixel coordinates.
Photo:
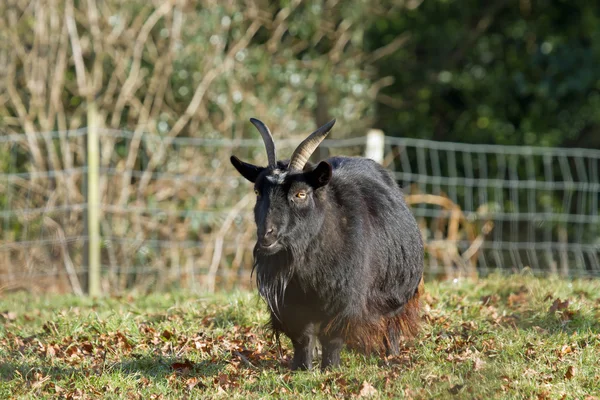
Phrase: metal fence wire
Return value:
(174, 213)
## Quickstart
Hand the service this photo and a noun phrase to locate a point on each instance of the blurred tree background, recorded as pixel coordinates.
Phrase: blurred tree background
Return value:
(521, 72)
(513, 72)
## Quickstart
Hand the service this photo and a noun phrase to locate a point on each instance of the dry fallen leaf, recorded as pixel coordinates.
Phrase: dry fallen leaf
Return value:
(490, 299)
(455, 389)
(367, 390)
(180, 366)
(543, 395)
(566, 349)
(570, 372)
(9, 315)
(222, 379)
(515, 299)
(558, 305)
(191, 382)
(39, 380)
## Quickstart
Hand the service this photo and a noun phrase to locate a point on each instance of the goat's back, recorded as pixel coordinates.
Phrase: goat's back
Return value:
(361, 184)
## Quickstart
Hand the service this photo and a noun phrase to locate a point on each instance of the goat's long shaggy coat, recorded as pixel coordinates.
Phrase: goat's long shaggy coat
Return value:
(358, 270)
(347, 262)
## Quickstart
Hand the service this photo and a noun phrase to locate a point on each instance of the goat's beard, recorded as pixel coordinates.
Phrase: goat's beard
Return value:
(273, 274)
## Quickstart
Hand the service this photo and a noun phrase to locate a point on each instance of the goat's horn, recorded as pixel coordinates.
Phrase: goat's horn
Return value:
(267, 138)
(308, 146)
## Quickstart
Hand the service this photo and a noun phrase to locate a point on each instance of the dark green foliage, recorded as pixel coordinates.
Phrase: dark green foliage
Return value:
(505, 72)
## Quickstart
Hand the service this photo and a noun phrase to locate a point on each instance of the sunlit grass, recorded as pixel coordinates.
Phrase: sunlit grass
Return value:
(501, 337)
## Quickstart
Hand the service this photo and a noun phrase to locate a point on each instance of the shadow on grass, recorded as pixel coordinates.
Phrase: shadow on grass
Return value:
(150, 367)
(161, 367)
(155, 367)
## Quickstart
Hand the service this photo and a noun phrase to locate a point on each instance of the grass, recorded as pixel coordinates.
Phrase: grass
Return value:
(501, 337)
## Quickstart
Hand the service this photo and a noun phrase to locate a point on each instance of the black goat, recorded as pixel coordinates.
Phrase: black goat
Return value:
(339, 255)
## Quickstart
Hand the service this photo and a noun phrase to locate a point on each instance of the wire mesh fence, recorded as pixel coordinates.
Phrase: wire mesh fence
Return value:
(524, 207)
(174, 213)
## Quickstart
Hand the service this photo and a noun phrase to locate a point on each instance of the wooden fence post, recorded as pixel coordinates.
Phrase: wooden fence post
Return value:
(375, 145)
(93, 201)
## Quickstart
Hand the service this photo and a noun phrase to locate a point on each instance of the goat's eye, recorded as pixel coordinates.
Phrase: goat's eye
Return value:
(256, 192)
(300, 195)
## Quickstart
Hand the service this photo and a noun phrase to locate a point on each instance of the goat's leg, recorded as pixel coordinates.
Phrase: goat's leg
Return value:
(302, 335)
(298, 326)
(332, 346)
(392, 341)
(303, 351)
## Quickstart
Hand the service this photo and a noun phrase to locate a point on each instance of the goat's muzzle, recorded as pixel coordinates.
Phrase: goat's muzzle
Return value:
(269, 242)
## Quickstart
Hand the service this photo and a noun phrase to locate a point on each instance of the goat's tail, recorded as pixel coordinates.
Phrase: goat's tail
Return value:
(386, 332)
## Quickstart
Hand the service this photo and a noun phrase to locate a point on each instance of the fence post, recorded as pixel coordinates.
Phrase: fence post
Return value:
(375, 145)
(93, 203)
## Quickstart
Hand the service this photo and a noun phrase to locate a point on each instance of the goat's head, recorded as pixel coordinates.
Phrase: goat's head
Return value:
(287, 194)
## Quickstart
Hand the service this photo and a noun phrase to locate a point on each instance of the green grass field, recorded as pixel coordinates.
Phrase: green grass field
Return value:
(514, 337)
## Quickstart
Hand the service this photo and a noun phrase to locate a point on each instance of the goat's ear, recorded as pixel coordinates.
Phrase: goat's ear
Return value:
(248, 171)
(319, 176)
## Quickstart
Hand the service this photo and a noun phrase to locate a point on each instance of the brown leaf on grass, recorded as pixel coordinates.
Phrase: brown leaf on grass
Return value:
(144, 381)
(192, 382)
(455, 389)
(39, 380)
(122, 341)
(244, 358)
(530, 352)
(53, 350)
(75, 394)
(515, 299)
(201, 344)
(570, 372)
(490, 299)
(57, 389)
(87, 347)
(468, 326)
(173, 378)
(50, 328)
(167, 334)
(543, 395)
(183, 366)
(562, 306)
(367, 390)
(72, 350)
(226, 381)
(222, 379)
(558, 306)
(567, 315)
(566, 349)
(8, 315)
